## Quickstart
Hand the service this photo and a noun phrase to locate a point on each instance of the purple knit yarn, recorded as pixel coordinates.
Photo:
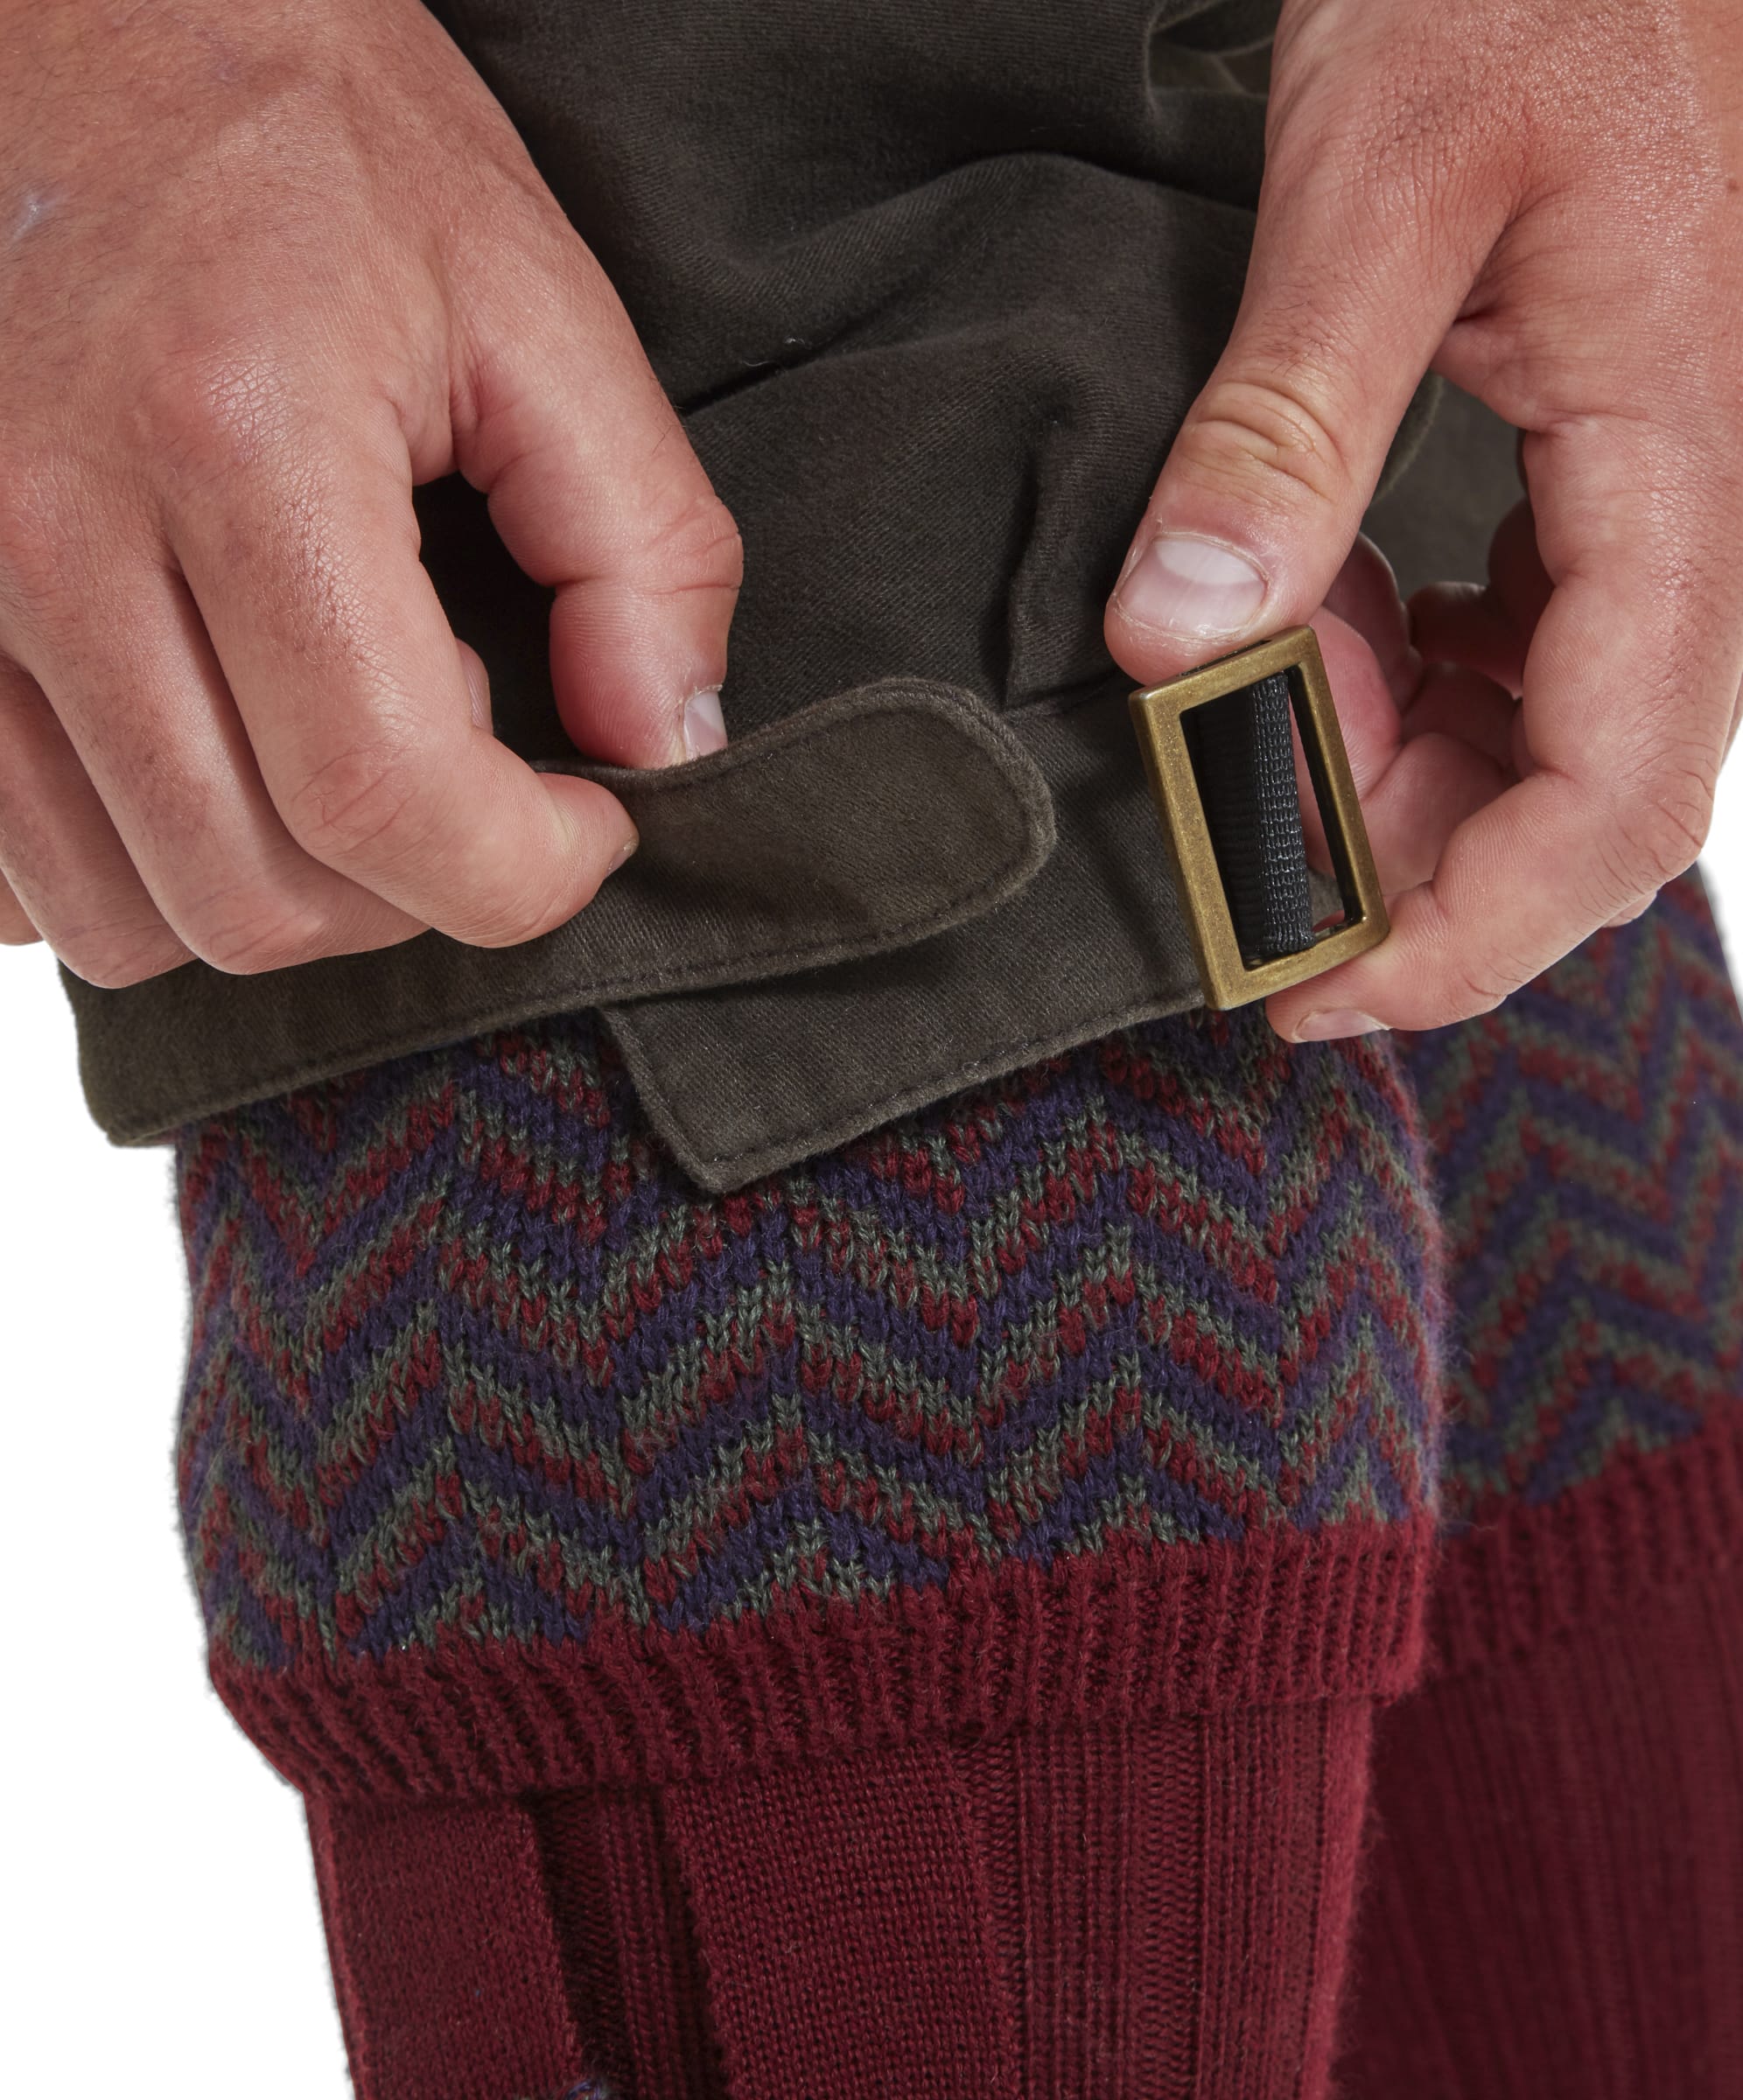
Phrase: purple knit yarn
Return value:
(471, 1354)
(1588, 1164)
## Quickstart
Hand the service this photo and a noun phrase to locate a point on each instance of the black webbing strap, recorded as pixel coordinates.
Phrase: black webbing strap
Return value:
(1244, 760)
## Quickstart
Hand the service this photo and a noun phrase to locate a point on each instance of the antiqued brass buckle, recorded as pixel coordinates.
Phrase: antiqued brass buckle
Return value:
(1230, 977)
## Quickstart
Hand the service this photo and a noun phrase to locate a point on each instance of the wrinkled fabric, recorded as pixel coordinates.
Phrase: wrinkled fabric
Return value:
(932, 287)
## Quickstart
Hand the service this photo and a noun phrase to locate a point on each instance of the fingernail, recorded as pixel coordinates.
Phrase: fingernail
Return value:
(1340, 1021)
(704, 724)
(1191, 587)
(624, 852)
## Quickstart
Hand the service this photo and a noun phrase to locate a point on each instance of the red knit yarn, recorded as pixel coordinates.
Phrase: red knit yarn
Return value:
(1096, 1899)
(1081, 1825)
(443, 1955)
(1156, 1910)
(1554, 1903)
(1281, 1617)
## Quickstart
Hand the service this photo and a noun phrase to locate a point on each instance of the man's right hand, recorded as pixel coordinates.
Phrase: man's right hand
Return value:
(262, 270)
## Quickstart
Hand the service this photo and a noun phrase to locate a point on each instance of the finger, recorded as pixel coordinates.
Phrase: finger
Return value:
(65, 869)
(1462, 623)
(1364, 596)
(16, 928)
(139, 693)
(596, 493)
(1370, 705)
(1629, 683)
(1736, 719)
(478, 684)
(1489, 628)
(347, 676)
(1453, 701)
(1434, 785)
(1354, 282)
(1638, 909)
(1421, 764)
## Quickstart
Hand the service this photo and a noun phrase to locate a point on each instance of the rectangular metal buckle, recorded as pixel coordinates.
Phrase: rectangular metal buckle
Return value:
(1229, 977)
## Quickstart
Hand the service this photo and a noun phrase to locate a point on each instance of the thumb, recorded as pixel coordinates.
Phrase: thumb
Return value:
(1361, 261)
(598, 494)
(16, 930)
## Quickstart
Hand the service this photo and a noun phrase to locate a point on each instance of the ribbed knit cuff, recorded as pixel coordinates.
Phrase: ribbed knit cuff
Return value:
(1641, 1527)
(1129, 1633)
(1552, 1907)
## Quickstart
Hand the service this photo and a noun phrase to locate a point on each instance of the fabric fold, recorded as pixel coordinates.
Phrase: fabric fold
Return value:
(875, 817)
(742, 1085)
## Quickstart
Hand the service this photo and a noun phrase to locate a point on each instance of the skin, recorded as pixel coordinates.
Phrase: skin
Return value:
(1541, 199)
(264, 270)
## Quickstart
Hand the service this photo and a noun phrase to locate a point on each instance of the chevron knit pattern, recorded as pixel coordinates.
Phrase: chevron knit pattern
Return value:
(488, 1406)
(750, 1603)
(1588, 1143)
(471, 1359)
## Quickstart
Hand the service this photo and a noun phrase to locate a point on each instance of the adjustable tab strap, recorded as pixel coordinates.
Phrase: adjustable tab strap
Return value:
(638, 1987)
(845, 1916)
(739, 1086)
(1121, 925)
(874, 819)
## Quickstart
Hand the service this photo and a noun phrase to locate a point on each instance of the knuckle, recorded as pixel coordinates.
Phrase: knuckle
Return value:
(38, 530)
(1478, 990)
(1276, 429)
(1444, 118)
(112, 957)
(1470, 980)
(211, 413)
(508, 919)
(1402, 151)
(259, 931)
(15, 928)
(695, 545)
(1660, 833)
(360, 807)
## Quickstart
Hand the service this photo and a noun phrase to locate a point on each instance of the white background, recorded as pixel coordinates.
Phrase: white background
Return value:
(158, 1897)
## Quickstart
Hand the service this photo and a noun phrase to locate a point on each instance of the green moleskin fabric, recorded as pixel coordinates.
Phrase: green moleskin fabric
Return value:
(931, 284)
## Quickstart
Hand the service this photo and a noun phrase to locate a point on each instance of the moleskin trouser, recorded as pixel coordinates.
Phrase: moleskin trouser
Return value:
(932, 283)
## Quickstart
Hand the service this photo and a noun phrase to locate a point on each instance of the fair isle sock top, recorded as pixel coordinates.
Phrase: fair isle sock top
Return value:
(1078, 1434)
(471, 1354)
(490, 1410)
(1587, 1142)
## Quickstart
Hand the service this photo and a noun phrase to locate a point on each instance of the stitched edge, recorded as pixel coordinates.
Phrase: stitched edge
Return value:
(1000, 1058)
(1034, 846)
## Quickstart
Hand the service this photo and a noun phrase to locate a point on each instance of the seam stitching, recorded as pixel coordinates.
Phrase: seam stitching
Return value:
(1129, 1011)
(950, 911)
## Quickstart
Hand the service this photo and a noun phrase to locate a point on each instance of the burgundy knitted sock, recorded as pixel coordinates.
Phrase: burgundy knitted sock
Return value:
(444, 1958)
(1144, 1913)
(1554, 1904)
(1555, 1891)
(1172, 1904)
(1133, 1915)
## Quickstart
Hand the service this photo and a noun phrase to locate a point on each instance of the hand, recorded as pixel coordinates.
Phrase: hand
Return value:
(262, 270)
(1543, 200)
